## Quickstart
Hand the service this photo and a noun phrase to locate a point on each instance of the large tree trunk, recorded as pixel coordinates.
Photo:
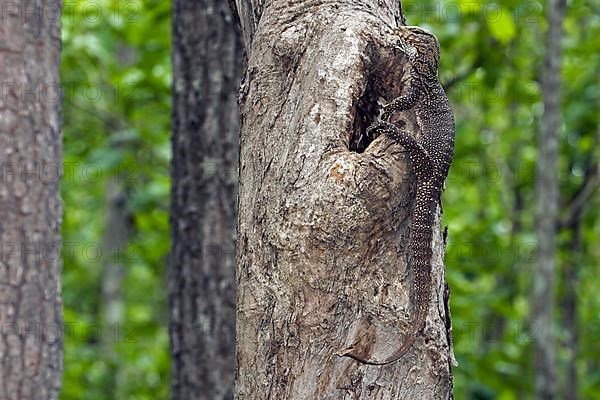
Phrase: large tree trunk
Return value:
(547, 210)
(206, 74)
(323, 223)
(30, 204)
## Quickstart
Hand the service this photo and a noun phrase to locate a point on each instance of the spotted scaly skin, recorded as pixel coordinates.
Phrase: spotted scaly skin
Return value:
(430, 158)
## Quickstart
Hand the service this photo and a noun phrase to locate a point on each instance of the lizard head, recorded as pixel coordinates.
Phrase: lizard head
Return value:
(421, 47)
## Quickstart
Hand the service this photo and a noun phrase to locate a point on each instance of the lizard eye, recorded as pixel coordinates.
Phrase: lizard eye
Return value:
(412, 52)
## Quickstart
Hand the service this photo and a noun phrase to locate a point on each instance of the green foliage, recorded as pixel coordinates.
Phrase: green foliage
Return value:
(116, 75)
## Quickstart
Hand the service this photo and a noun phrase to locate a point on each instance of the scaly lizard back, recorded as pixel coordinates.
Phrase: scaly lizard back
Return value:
(430, 158)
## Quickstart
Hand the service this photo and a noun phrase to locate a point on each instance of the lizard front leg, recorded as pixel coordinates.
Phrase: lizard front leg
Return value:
(402, 103)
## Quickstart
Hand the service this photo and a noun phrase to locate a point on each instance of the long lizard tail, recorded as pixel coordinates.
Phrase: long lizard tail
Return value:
(421, 254)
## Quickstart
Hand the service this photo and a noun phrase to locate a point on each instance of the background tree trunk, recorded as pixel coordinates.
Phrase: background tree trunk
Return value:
(30, 205)
(573, 223)
(323, 230)
(547, 209)
(206, 73)
(117, 234)
(570, 309)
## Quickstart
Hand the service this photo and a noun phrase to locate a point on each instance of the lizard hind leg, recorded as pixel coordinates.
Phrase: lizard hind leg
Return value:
(420, 159)
(402, 103)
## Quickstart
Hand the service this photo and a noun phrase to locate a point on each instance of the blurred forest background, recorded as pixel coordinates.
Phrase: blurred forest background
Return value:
(116, 73)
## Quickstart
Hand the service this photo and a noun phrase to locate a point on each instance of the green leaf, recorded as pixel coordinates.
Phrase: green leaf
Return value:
(500, 23)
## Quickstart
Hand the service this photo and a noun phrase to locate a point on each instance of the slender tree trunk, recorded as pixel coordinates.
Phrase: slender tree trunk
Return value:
(30, 205)
(116, 238)
(570, 308)
(323, 222)
(206, 74)
(572, 221)
(547, 209)
(115, 241)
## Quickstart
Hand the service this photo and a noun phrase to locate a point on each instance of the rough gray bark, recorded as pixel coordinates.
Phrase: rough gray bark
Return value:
(206, 74)
(30, 205)
(547, 209)
(323, 222)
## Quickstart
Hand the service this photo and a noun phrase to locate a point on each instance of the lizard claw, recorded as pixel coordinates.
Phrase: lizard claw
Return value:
(387, 111)
(373, 130)
(345, 351)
